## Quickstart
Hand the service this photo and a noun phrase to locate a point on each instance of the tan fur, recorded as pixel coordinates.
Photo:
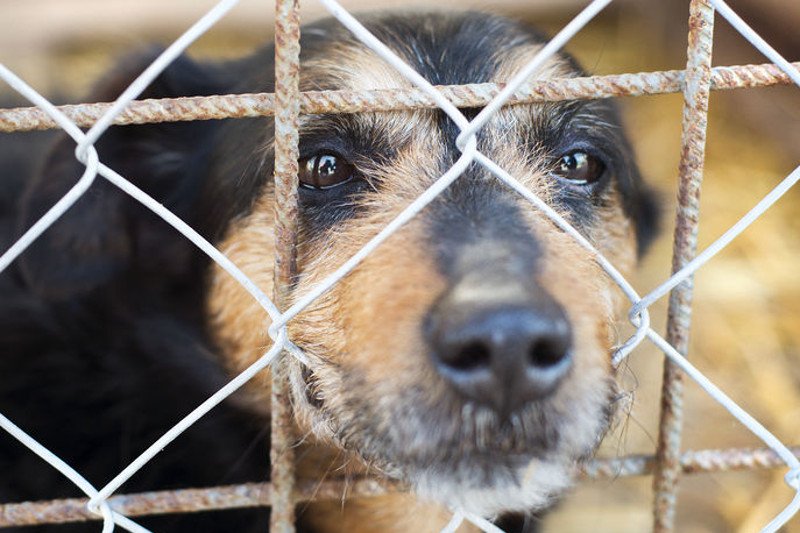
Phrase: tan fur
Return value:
(393, 513)
(350, 66)
(511, 64)
(239, 322)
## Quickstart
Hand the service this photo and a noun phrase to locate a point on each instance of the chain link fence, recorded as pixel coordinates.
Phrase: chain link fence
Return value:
(282, 493)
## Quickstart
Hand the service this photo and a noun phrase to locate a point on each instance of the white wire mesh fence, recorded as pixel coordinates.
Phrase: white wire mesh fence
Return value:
(696, 86)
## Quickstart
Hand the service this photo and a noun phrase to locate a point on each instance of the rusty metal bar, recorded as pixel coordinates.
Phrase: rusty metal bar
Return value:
(695, 122)
(690, 462)
(317, 102)
(287, 121)
(185, 501)
(261, 494)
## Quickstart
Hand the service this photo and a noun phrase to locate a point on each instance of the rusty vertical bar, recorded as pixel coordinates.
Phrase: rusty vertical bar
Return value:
(287, 111)
(695, 120)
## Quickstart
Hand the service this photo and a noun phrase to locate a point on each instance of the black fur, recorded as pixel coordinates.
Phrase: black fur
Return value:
(103, 342)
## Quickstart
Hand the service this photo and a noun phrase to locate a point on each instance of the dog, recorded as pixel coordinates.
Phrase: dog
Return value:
(467, 357)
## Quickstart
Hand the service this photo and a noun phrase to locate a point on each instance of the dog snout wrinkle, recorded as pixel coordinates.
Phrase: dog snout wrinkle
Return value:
(499, 342)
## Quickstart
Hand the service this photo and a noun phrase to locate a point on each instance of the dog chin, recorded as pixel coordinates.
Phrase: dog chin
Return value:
(525, 489)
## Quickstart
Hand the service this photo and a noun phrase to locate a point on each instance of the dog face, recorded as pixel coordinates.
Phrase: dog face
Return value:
(469, 355)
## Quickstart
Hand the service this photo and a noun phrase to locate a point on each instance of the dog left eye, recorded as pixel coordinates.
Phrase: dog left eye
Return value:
(325, 171)
(579, 168)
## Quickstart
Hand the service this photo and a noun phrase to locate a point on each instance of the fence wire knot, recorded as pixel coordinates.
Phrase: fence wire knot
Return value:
(793, 478)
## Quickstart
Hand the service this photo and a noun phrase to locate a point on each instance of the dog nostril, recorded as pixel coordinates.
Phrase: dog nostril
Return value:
(547, 352)
(472, 356)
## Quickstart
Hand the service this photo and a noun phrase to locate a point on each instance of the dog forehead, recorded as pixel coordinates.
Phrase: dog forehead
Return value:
(444, 49)
(349, 66)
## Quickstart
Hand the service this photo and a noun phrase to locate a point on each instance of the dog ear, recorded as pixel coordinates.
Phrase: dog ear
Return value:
(106, 232)
(641, 202)
(647, 217)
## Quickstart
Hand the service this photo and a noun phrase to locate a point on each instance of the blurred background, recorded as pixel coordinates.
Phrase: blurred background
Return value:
(746, 330)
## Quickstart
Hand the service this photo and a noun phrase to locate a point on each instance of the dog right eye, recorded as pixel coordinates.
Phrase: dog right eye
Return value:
(325, 171)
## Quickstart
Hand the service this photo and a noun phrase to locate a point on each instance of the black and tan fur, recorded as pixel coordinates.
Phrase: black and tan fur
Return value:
(112, 326)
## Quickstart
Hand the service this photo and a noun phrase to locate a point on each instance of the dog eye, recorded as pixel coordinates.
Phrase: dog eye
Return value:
(325, 171)
(579, 168)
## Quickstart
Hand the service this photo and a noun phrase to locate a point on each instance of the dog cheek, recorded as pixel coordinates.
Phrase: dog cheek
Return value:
(383, 306)
(585, 293)
(582, 402)
(364, 337)
(237, 321)
(615, 236)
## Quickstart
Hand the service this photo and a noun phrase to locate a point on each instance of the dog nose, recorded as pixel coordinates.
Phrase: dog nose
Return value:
(501, 351)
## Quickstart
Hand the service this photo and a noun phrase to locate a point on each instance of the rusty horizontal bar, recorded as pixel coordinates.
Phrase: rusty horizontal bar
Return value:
(260, 494)
(185, 501)
(317, 102)
(691, 462)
